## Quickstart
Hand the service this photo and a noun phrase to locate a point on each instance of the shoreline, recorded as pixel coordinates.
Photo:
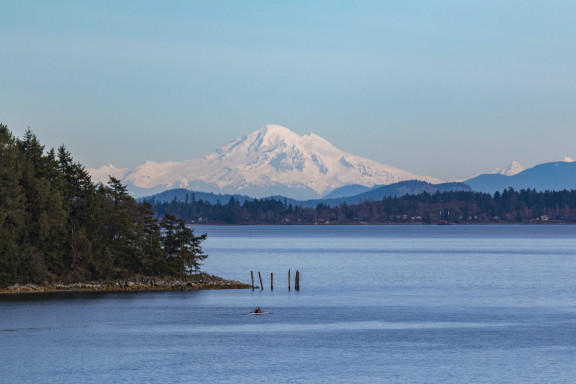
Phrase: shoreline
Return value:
(202, 281)
(388, 223)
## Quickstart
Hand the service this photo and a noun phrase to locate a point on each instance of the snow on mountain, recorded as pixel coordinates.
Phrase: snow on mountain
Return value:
(101, 174)
(270, 161)
(512, 169)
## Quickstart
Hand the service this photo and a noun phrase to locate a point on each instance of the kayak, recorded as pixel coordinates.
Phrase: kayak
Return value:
(259, 313)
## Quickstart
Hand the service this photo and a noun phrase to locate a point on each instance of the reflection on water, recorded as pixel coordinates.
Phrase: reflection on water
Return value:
(324, 327)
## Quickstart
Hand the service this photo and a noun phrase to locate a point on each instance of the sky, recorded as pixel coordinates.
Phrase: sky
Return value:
(447, 88)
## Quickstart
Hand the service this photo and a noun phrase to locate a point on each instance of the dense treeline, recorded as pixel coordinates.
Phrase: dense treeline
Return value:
(55, 224)
(455, 207)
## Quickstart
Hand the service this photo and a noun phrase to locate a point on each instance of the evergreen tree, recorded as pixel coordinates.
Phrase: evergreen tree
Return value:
(55, 224)
(12, 207)
(181, 246)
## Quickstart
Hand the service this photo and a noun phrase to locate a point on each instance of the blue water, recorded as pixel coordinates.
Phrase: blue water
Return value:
(378, 304)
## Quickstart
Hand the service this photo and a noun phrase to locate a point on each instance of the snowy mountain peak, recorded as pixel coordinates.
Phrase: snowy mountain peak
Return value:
(275, 130)
(272, 160)
(271, 137)
(512, 169)
(101, 174)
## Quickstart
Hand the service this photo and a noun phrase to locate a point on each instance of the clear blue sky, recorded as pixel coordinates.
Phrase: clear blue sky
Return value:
(441, 88)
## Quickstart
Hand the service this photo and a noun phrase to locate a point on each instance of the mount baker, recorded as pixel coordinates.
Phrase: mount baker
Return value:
(270, 161)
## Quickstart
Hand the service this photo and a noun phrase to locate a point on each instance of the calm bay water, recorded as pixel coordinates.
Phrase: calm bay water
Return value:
(390, 304)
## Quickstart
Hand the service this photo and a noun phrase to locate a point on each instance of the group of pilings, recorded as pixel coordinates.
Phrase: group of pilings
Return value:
(296, 280)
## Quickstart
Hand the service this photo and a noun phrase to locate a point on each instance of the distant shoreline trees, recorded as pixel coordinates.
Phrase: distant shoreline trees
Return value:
(508, 206)
(56, 225)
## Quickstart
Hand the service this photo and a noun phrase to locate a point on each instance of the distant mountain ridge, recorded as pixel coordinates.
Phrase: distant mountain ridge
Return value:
(275, 161)
(358, 193)
(411, 187)
(270, 161)
(348, 190)
(554, 176)
(402, 188)
(182, 194)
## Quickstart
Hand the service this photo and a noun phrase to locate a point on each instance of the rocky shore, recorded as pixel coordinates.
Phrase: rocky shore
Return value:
(135, 284)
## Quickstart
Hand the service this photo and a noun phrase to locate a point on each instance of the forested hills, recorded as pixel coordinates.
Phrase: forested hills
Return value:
(411, 187)
(508, 206)
(57, 225)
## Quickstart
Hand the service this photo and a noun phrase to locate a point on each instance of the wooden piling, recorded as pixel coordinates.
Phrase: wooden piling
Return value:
(298, 274)
(271, 281)
(288, 279)
(252, 275)
(261, 285)
(297, 282)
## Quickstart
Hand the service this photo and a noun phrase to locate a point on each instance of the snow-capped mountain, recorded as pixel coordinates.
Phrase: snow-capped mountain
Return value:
(101, 174)
(270, 161)
(512, 169)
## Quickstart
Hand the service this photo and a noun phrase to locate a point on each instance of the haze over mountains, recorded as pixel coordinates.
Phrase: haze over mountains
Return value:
(270, 161)
(275, 161)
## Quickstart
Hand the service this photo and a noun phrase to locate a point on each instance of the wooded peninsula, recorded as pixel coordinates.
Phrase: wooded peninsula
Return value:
(58, 227)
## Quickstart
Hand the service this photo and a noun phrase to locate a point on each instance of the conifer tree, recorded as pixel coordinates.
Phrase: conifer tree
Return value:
(181, 246)
(55, 224)
(12, 207)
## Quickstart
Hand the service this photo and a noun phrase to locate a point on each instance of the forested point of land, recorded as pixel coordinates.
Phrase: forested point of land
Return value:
(56, 225)
(508, 206)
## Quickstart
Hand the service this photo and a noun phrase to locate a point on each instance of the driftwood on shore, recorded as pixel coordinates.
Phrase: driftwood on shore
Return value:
(135, 284)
